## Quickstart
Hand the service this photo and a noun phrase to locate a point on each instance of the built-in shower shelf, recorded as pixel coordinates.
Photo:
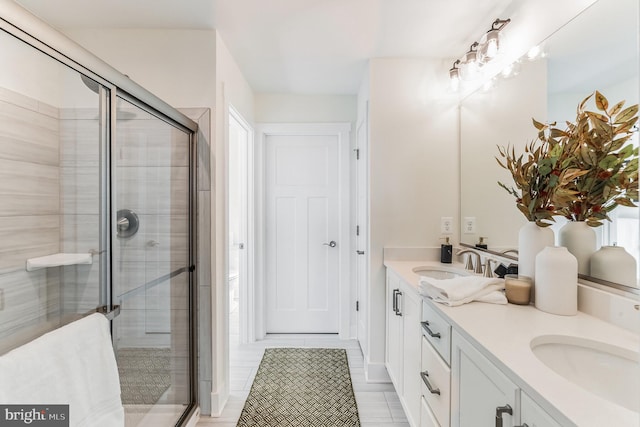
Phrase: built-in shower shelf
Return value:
(57, 260)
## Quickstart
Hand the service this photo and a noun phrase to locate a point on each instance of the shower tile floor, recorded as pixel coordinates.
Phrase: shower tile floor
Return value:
(378, 404)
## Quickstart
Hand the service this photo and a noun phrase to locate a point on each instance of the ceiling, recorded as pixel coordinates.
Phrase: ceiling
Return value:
(297, 46)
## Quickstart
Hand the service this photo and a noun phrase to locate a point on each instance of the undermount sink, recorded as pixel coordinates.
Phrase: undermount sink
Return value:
(602, 369)
(437, 272)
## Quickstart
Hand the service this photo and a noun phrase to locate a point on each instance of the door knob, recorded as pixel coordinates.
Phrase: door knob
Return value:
(331, 244)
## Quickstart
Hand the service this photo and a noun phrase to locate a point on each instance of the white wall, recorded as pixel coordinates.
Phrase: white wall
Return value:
(289, 108)
(178, 66)
(413, 168)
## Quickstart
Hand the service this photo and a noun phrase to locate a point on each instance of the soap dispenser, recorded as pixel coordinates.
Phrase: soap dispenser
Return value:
(481, 243)
(446, 251)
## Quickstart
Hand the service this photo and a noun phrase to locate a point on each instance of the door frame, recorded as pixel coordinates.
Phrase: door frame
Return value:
(246, 312)
(361, 215)
(343, 132)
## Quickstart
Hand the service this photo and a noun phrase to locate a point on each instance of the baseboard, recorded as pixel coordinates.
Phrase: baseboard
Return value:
(218, 401)
(375, 372)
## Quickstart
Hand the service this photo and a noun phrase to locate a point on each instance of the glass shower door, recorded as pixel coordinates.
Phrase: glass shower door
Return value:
(150, 266)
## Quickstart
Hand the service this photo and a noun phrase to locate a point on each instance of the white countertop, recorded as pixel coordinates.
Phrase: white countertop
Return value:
(503, 334)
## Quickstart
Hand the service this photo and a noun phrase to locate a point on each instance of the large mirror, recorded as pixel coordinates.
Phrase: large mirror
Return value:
(597, 50)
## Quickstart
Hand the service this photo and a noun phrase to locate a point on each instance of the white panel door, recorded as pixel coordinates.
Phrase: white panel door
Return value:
(302, 219)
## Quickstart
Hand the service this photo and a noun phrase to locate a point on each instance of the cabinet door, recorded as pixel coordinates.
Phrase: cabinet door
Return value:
(479, 389)
(412, 347)
(533, 415)
(394, 332)
(427, 419)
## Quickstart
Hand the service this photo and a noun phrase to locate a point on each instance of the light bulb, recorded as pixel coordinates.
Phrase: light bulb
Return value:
(491, 45)
(454, 76)
(534, 53)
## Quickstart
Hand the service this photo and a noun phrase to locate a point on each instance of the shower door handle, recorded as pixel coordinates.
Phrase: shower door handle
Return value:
(331, 244)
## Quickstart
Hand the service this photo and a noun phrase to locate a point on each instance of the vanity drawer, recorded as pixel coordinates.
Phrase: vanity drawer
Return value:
(437, 331)
(427, 419)
(436, 383)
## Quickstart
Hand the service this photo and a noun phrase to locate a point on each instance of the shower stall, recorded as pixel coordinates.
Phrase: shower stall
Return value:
(97, 208)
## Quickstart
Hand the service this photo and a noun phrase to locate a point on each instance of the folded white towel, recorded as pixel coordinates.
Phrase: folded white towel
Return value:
(461, 290)
(72, 365)
(57, 260)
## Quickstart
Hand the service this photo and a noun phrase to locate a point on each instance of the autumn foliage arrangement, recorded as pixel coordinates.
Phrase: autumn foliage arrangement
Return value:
(581, 172)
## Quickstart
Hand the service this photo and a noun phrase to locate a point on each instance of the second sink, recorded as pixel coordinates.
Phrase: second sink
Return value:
(602, 369)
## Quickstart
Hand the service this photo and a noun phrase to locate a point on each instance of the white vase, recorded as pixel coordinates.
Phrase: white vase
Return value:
(580, 240)
(614, 264)
(556, 287)
(531, 240)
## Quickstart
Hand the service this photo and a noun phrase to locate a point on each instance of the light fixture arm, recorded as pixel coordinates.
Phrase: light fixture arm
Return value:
(499, 24)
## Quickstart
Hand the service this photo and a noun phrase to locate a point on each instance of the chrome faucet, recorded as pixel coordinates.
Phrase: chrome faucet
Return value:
(469, 264)
(488, 270)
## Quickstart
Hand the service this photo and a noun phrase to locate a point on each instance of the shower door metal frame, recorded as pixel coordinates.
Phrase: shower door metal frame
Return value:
(24, 26)
(192, 244)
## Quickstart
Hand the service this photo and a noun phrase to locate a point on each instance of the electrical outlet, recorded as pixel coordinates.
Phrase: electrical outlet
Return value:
(446, 225)
(469, 225)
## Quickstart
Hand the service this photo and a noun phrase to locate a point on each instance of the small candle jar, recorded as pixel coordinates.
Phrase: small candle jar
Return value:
(518, 289)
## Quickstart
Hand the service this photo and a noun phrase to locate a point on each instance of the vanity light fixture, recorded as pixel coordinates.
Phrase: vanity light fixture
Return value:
(454, 75)
(469, 64)
(490, 42)
(480, 53)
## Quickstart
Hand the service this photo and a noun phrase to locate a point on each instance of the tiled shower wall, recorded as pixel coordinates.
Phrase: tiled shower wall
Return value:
(152, 177)
(80, 206)
(29, 214)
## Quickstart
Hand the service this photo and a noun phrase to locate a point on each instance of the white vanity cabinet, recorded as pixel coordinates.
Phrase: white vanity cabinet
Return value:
(532, 415)
(482, 396)
(404, 307)
(435, 368)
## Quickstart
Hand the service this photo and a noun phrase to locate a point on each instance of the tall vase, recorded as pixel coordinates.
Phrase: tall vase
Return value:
(615, 264)
(557, 281)
(531, 240)
(580, 240)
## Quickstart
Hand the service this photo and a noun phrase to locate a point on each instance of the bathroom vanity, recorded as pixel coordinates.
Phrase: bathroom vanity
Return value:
(505, 365)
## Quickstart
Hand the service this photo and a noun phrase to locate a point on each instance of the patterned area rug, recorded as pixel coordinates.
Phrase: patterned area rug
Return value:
(144, 374)
(301, 387)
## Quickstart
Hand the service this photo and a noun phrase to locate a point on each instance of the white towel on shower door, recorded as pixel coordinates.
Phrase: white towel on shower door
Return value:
(72, 365)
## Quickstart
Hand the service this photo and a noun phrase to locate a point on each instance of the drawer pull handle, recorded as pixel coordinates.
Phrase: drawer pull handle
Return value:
(397, 293)
(425, 379)
(425, 326)
(502, 410)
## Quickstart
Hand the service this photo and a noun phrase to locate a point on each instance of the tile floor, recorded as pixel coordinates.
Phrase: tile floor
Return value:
(378, 404)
